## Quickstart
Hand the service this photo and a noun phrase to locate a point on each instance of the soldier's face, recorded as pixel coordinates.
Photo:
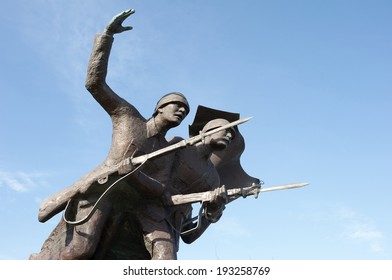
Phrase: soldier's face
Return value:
(221, 139)
(174, 113)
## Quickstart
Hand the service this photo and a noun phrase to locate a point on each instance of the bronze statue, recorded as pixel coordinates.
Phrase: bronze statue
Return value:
(133, 135)
(137, 203)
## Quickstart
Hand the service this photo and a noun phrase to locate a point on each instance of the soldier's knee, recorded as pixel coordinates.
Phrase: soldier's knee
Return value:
(77, 253)
(163, 249)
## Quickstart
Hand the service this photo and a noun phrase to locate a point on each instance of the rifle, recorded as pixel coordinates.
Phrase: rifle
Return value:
(228, 194)
(57, 202)
(181, 144)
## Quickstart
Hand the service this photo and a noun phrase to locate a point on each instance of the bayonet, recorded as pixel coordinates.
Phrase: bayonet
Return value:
(231, 194)
(228, 194)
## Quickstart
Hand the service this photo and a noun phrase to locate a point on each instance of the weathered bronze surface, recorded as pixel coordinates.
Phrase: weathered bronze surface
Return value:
(127, 208)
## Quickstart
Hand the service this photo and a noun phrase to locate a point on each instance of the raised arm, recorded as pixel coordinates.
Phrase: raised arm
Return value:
(98, 64)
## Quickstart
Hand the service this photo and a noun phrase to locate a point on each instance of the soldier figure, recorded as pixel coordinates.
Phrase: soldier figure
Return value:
(132, 135)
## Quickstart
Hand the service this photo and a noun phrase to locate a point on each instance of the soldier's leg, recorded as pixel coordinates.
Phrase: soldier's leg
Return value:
(53, 245)
(85, 237)
(159, 239)
(163, 249)
(161, 244)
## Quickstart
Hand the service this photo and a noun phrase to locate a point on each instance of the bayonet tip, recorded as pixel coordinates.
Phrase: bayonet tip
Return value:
(240, 121)
(247, 119)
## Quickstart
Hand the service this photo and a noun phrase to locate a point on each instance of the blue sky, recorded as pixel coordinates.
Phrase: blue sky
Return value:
(315, 76)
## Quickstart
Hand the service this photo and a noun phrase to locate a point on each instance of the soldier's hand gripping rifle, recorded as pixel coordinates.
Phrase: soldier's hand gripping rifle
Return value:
(57, 202)
(228, 194)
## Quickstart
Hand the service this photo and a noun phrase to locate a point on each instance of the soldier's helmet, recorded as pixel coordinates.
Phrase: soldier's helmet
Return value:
(215, 123)
(172, 97)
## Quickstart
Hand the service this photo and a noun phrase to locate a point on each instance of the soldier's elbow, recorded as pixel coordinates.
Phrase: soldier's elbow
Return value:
(187, 240)
(91, 85)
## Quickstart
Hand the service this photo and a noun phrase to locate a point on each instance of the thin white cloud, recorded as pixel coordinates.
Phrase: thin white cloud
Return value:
(10, 181)
(21, 181)
(63, 39)
(65, 45)
(375, 247)
(366, 235)
(361, 229)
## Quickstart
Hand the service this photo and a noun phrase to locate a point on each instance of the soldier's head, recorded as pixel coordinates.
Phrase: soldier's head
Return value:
(221, 139)
(172, 108)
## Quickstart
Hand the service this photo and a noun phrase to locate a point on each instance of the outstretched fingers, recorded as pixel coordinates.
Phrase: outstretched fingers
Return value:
(124, 15)
(115, 25)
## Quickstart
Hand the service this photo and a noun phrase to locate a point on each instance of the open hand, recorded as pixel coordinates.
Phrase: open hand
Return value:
(115, 25)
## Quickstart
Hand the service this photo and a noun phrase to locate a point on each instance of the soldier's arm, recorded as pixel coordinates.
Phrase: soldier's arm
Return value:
(98, 64)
